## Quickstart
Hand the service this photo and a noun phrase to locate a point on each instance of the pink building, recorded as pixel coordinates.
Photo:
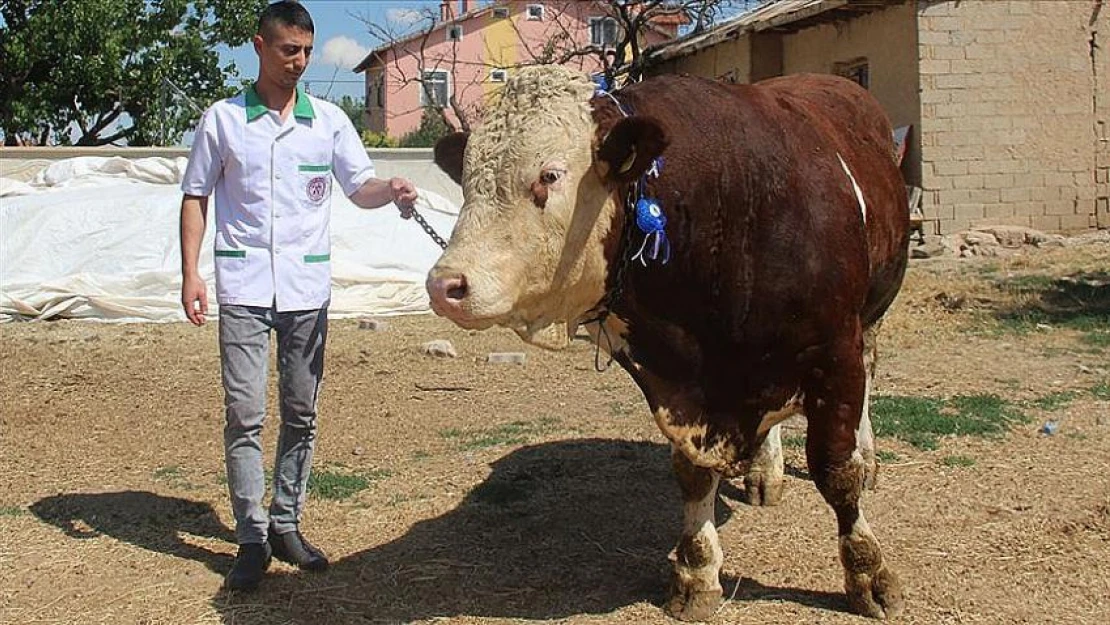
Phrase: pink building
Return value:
(464, 57)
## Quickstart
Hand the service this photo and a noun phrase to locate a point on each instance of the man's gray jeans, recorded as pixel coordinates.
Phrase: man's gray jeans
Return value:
(244, 354)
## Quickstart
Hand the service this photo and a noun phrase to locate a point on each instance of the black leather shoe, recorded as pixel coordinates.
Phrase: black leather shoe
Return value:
(250, 564)
(292, 547)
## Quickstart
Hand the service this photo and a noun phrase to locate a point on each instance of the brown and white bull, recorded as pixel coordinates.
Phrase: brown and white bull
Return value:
(788, 227)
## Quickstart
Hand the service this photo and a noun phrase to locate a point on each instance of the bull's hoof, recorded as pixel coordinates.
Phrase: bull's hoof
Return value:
(876, 596)
(761, 490)
(693, 605)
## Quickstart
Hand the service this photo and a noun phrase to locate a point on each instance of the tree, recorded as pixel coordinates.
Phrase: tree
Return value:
(621, 60)
(433, 126)
(354, 109)
(108, 67)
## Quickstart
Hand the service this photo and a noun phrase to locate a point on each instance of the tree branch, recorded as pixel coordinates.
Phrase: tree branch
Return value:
(123, 134)
(81, 119)
(107, 118)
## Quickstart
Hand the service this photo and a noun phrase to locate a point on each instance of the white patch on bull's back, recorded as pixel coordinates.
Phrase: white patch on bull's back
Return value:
(855, 187)
(772, 418)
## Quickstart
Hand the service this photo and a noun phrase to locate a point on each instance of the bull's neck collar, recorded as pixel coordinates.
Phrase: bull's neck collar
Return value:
(624, 108)
(614, 283)
(628, 218)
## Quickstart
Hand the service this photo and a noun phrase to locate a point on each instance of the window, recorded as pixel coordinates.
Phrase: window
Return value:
(535, 12)
(856, 70)
(375, 90)
(455, 33)
(435, 88)
(500, 12)
(498, 75)
(603, 32)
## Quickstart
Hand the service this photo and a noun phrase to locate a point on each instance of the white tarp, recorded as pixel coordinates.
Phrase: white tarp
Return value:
(97, 238)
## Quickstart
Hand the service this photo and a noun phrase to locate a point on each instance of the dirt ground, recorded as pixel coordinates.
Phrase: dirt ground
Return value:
(501, 493)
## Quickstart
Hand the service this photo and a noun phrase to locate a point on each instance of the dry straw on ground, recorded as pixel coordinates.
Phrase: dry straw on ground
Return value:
(542, 492)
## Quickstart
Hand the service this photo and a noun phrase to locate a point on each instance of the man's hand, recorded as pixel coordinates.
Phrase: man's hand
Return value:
(377, 192)
(404, 195)
(194, 299)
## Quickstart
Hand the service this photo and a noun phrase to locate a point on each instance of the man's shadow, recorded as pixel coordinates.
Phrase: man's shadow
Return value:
(557, 529)
(144, 519)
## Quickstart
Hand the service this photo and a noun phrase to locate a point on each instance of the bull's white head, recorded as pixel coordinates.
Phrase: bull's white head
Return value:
(539, 179)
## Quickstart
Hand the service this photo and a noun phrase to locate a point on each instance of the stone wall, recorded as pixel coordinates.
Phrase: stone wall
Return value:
(1008, 113)
(1100, 64)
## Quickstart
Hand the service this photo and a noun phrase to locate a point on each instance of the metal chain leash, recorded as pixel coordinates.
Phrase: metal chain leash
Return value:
(427, 228)
(613, 294)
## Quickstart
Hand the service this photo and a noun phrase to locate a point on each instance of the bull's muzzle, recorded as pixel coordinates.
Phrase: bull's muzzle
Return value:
(447, 290)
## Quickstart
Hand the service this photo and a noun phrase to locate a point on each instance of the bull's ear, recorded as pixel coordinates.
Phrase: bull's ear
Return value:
(629, 148)
(449, 154)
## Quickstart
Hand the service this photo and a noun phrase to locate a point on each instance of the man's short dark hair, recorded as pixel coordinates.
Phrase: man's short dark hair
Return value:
(287, 13)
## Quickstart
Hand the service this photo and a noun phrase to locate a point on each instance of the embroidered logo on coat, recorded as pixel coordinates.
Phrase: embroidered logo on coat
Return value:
(317, 189)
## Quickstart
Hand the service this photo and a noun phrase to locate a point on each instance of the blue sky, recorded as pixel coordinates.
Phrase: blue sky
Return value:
(340, 38)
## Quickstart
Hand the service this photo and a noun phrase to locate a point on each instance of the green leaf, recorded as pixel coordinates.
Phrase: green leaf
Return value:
(102, 65)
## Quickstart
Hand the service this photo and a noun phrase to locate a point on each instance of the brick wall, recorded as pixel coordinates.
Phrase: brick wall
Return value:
(1100, 61)
(1010, 113)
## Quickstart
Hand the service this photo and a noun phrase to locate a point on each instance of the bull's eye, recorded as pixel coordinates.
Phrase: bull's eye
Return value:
(550, 176)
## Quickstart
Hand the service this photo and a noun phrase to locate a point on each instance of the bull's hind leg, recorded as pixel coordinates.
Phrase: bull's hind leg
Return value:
(834, 407)
(696, 589)
(865, 438)
(763, 482)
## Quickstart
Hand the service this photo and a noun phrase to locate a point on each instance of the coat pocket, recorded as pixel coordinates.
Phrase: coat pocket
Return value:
(315, 183)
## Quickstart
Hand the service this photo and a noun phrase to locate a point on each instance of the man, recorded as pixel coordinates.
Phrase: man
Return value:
(269, 154)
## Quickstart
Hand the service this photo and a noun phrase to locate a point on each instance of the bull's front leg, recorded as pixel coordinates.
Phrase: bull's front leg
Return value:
(696, 589)
(834, 407)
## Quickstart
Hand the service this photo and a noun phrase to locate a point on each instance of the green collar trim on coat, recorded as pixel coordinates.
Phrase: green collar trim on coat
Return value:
(255, 108)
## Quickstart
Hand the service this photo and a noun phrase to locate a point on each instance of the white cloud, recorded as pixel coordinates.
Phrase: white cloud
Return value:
(404, 18)
(343, 52)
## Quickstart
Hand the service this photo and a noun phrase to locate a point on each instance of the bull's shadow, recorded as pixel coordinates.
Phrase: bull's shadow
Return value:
(144, 519)
(558, 529)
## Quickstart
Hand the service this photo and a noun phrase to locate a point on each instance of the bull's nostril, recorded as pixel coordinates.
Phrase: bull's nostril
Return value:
(457, 290)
